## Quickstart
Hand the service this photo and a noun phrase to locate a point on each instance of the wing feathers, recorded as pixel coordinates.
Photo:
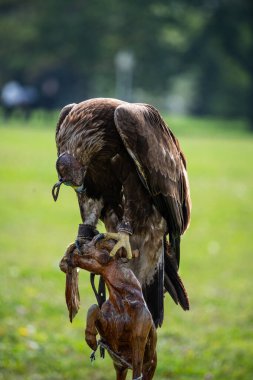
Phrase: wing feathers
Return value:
(158, 160)
(156, 154)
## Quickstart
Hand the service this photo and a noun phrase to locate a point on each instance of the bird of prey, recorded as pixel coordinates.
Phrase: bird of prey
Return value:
(128, 170)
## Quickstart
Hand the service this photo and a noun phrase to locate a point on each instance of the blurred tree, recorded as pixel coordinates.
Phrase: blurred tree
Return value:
(68, 48)
(223, 53)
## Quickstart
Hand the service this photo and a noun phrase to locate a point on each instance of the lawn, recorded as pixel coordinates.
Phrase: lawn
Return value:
(212, 341)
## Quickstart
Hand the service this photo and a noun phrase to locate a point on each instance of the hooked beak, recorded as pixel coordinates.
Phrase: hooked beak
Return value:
(56, 189)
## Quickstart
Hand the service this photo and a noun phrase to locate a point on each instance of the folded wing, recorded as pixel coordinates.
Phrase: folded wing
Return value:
(160, 164)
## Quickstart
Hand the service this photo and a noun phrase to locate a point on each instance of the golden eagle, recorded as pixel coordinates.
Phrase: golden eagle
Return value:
(128, 170)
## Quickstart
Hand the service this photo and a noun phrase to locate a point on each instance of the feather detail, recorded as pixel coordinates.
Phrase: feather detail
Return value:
(153, 182)
(172, 281)
(159, 163)
(154, 292)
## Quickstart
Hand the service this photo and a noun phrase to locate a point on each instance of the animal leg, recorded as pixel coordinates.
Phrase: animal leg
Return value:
(90, 209)
(143, 330)
(149, 369)
(121, 372)
(139, 343)
(150, 357)
(94, 314)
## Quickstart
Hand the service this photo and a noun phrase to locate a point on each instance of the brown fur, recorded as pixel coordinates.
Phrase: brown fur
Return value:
(124, 322)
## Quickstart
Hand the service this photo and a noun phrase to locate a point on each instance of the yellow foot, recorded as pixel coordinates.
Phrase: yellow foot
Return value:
(122, 239)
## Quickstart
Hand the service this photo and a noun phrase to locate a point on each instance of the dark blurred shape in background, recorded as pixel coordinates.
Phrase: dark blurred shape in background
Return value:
(185, 56)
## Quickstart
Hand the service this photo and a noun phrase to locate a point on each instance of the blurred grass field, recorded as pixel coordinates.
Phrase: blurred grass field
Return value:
(212, 341)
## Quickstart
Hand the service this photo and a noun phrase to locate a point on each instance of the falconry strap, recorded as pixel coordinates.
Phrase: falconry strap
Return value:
(100, 294)
(116, 357)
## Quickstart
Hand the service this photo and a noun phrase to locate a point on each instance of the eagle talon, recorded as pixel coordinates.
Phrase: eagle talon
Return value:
(98, 237)
(122, 239)
(78, 247)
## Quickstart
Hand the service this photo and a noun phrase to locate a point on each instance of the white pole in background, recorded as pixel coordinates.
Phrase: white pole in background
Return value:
(124, 62)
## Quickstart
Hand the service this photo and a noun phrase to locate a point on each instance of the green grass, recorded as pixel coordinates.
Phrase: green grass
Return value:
(212, 341)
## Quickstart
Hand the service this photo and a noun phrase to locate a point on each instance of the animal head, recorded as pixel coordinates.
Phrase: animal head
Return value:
(91, 257)
(70, 173)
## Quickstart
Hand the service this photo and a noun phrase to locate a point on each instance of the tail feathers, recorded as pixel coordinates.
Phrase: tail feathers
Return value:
(166, 277)
(175, 248)
(154, 294)
(173, 283)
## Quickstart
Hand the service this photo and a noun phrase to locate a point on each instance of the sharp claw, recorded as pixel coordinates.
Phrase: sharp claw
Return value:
(123, 242)
(93, 356)
(115, 249)
(78, 247)
(129, 255)
(98, 237)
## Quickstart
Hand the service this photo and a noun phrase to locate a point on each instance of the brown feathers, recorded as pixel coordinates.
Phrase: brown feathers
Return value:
(133, 170)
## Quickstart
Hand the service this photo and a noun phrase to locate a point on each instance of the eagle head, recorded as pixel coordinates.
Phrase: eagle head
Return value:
(70, 172)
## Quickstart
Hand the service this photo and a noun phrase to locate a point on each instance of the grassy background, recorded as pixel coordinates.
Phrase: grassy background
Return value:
(212, 341)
